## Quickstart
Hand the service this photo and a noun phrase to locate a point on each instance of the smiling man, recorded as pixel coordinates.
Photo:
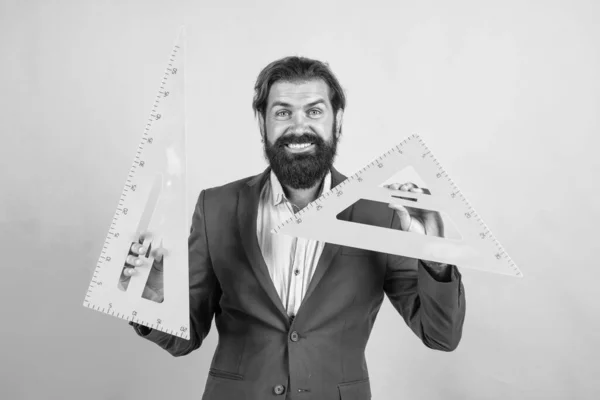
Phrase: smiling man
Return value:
(300, 131)
(294, 315)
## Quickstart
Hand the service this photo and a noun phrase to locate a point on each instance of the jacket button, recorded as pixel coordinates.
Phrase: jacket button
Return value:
(294, 336)
(279, 389)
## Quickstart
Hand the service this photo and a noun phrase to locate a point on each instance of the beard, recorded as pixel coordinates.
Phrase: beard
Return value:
(301, 171)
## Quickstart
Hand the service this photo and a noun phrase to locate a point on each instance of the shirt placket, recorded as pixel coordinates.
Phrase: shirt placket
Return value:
(298, 270)
(294, 272)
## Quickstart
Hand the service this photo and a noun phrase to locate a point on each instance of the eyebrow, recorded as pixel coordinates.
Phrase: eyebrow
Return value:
(284, 104)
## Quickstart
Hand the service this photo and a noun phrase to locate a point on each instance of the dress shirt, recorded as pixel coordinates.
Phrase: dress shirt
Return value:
(291, 261)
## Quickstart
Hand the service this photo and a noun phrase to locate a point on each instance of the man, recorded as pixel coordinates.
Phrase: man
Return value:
(294, 315)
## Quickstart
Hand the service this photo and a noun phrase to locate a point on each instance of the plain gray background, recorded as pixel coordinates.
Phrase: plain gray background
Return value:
(506, 94)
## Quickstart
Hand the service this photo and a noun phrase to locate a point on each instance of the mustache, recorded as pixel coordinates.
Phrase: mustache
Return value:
(298, 139)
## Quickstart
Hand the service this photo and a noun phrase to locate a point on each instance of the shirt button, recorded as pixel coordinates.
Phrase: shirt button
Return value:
(296, 272)
(279, 389)
(294, 336)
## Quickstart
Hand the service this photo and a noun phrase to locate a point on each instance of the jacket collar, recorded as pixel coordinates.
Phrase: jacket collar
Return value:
(278, 195)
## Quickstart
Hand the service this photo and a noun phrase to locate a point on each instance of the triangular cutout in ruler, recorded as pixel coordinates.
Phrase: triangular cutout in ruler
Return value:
(154, 200)
(478, 249)
(407, 174)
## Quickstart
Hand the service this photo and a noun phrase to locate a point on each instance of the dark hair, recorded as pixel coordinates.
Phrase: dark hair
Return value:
(296, 69)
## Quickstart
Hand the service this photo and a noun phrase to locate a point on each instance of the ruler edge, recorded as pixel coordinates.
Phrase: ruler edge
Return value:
(502, 249)
(397, 147)
(179, 42)
(138, 321)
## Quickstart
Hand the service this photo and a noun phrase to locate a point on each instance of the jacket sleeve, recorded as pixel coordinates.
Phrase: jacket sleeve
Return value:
(433, 309)
(204, 289)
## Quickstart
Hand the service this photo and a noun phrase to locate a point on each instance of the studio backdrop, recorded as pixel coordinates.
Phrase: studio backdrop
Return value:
(506, 94)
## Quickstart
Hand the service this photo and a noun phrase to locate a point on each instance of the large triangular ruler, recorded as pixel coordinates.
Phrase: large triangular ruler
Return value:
(154, 200)
(477, 248)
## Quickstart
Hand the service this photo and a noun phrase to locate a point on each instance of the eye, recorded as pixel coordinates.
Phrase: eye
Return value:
(316, 111)
(281, 113)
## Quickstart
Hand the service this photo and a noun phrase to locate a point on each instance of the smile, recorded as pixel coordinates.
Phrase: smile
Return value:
(299, 146)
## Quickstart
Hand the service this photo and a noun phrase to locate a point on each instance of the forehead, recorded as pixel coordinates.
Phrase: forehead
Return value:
(299, 92)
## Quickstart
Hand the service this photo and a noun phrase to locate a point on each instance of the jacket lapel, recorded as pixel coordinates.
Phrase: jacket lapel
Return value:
(330, 250)
(247, 212)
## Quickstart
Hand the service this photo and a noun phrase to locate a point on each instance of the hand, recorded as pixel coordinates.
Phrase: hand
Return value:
(415, 219)
(154, 289)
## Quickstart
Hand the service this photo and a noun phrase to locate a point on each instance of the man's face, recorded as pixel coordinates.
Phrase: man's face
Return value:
(300, 132)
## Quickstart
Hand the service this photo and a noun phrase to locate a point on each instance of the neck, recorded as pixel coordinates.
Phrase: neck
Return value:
(301, 197)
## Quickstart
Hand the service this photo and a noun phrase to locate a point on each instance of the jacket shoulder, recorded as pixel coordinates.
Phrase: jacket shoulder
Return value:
(234, 186)
(227, 192)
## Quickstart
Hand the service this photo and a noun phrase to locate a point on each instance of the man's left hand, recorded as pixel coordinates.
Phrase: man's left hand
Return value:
(417, 220)
(424, 222)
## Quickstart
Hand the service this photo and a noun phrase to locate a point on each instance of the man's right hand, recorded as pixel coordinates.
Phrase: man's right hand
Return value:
(154, 289)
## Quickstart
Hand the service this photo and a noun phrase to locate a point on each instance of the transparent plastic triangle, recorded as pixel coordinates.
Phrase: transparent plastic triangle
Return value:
(153, 200)
(476, 249)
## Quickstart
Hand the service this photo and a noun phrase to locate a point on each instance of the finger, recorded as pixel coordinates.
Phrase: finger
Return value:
(134, 261)
(138, 248)
(401, 186)
(393, 186)
(407, 186)
(403, 215)
(129, 271)
(416, 190)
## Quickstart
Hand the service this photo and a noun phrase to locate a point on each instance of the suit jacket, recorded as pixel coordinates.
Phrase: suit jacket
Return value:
(319, 354)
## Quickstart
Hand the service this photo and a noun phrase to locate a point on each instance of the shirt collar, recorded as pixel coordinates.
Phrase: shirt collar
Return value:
(278, 195)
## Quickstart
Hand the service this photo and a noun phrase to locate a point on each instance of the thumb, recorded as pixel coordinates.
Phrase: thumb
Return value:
(403, 215)
(401, 211)
(159, 253)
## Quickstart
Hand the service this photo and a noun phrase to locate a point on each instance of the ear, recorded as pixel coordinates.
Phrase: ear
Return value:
(338, 121)
(261, 125)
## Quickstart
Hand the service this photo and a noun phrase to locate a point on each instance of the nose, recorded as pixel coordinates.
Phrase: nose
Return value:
(299, 124)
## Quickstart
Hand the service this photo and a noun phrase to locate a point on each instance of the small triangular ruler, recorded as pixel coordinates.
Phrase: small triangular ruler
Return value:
(154, 200)
(476, 248)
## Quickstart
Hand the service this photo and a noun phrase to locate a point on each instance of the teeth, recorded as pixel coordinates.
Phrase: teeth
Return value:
(299, 146)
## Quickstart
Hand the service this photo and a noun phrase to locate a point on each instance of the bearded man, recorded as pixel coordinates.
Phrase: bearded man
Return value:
(294, 315)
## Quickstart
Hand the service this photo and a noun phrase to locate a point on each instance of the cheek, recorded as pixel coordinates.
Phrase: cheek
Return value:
(326, 124)
(275, 130)
(325, 129)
